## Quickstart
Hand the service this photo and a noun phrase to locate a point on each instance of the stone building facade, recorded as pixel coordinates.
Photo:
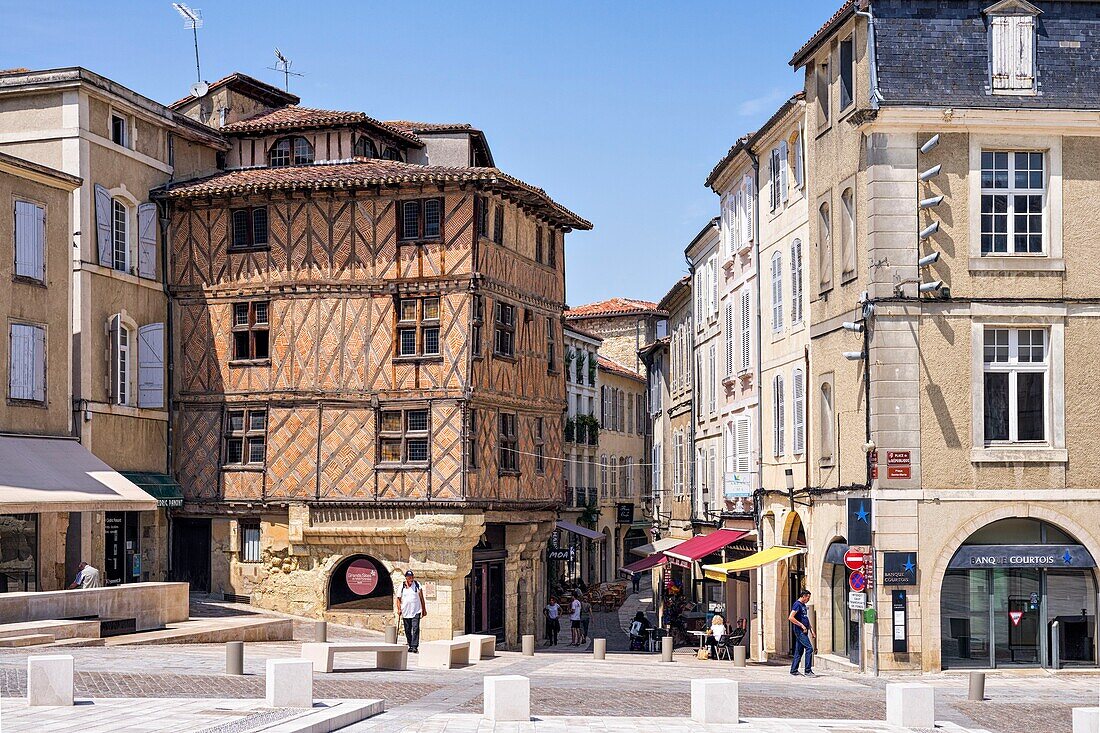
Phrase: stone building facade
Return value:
(952, 296)
(369, 367)
(581, 447)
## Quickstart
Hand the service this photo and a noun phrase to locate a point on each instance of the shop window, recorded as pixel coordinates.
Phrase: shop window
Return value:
(18, 553)
(404, 436)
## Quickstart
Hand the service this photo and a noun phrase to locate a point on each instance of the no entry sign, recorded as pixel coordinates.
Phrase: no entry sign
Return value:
(853, 560)
(857, 581)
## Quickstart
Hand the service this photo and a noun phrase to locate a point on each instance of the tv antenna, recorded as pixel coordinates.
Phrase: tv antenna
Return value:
(282, 65)
(192, 20)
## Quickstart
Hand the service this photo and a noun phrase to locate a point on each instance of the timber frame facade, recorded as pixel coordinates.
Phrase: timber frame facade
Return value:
(368, 364)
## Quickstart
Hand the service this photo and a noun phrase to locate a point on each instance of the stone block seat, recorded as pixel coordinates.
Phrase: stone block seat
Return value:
(482, 646)
(387, 656)
(443, 654)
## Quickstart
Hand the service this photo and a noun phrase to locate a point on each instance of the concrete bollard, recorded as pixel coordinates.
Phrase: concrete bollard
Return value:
(911, 705)
(977, 686)
(234, 657)
(320, 631)
(1086, 720)
(507, 698)
(50, 680)
(599, 648)
(391, 634)
(528, 645)
(739, 656)
(666, 648)
(289, 683)
(715, 701)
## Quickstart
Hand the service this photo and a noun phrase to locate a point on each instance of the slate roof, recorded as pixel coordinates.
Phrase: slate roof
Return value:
(363, 173)
(615, 368)
(294, 117)
(611, 307)
(935, 53)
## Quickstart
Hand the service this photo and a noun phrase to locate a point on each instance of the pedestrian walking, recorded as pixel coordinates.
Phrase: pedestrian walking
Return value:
(635, 580)
(803, 634)
(552, 613)
(575, 620)
(86, 577)
(586, 619)
(411, 608)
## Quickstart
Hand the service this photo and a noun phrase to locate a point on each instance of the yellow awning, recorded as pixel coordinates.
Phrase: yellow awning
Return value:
(756, 560)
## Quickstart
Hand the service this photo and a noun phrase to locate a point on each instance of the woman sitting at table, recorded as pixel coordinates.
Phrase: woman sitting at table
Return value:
(639, 629)
(716, 635)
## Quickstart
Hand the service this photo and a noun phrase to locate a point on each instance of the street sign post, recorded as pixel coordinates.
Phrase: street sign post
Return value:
(853, 559)
(857, 581)
(857, 601)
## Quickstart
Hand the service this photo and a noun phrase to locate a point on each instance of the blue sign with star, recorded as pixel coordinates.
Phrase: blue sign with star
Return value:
(899, 568)
(859, 522)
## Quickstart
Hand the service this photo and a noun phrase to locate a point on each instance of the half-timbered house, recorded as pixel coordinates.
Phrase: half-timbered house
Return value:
(368, 370)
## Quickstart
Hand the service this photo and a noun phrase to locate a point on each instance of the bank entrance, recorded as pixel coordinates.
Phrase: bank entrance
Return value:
(1019, 593)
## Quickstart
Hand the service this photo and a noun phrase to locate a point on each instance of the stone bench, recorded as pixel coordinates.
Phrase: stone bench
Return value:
(443, 654)
(507, 698)
(482, 646)
(911, 705)
(387, 656)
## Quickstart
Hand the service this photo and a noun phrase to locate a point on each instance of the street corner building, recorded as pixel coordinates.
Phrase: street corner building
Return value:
(369, 366)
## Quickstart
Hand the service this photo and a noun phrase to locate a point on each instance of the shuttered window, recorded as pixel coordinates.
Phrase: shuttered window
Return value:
(713, 384)
(147, 240)
(121, 339)
(151, 365)
(779, 428)
(742, 435)
(777, 292)
(783, 183)
(847, 235)
(796, 281)
(799, 159)
(747, 221)
(825, 247)
(729, 338)
(120, 216)
(30, 241)
(798, 412)
(714, 286)
(746, 329)
(773, 170)
(27, 367)
(1012, 48)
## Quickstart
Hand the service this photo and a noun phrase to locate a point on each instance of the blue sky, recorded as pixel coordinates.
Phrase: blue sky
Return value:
(619, 110)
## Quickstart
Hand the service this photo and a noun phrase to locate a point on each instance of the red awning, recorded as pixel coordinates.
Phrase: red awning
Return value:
(700, 546)
(644, 564)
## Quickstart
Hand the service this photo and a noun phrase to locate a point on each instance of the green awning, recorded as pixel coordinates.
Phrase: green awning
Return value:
(161, 486)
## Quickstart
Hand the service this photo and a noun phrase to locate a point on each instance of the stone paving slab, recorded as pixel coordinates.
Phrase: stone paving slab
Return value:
(453, 723)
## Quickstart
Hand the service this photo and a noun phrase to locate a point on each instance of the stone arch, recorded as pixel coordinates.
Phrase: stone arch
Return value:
(792, 526)
(931, 609)
(338, 593)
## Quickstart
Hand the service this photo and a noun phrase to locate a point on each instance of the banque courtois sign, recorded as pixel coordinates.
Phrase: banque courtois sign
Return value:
(1022, 556)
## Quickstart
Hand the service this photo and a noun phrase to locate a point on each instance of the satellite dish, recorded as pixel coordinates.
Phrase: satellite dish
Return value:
(199, 89)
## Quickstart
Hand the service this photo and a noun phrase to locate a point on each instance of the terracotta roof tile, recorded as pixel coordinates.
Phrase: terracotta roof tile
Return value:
(361, 173)
(737, 147)
(611, 307)
(294, 117)
(616, 368)
(808, 47)
(415, 127)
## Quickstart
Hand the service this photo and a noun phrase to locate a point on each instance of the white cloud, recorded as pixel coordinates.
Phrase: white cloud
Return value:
(765, 103)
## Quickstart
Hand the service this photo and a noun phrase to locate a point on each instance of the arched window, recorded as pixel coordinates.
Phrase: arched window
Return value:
(796, 281)
(826, 416)
(848, 236)
(294, 150)
(364, 148)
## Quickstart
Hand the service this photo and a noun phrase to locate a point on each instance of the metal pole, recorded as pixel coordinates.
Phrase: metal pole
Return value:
(1055, 645)
(977, 686)
(234, 657)
(195, 32)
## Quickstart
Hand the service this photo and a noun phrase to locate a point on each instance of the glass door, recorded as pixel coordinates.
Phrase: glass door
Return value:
(965, 615)
(1016, 617)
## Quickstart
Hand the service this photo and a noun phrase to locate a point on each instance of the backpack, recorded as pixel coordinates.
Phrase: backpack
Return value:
(636, 628)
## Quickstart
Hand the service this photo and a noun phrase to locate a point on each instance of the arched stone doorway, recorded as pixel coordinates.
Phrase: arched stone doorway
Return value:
(360, 582)
(790, 579)
(838, 627)
(1019, 592)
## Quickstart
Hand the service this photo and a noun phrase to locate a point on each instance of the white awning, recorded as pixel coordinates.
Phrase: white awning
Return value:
(582, 531)
(665, 543)
(61, 475)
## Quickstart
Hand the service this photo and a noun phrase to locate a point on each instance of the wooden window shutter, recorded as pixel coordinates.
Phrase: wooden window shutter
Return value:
(151, 365)
(746, 330)
(21, 369)
(749, 209)
(744, 447)
(103, 226)
(113, 331)
(783, 171)
(799, 159)
(798, 412)
(729, 337)
(38, 359)
(147, 241)
(30, 240)
(1024, 66)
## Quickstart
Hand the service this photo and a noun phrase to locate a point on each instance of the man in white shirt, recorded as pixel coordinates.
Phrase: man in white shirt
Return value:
(411, 608)
(575, 621)
(86, 577)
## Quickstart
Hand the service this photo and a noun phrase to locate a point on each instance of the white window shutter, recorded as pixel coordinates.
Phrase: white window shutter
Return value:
(746, 329)
(796, 281)
(1024, 71)
(147, 241)
(798, 412)
(729, 337)
(30, 240)
(777, 292)
(151, 365)
(749, 212)
(21, 367)
(113, 332)
(38, 360)
(742, 435)
(714, 285)
(103, 226)
(783, 171)
(780, 417)
(799, 160)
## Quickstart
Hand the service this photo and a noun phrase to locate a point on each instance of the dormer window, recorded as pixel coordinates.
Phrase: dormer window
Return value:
(392, 153)
(291, 151)
(1012, 25)
(364, 148)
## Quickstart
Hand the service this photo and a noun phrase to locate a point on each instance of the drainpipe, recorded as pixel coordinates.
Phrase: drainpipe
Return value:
(759, 393)
(876, 95)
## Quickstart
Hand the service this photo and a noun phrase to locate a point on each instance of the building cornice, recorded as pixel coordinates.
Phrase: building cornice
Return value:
(1002, 121)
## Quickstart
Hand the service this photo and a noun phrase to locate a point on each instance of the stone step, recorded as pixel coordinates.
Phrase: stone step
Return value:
(26, 640)
(213, 631)
(77, 641)
(58, 628)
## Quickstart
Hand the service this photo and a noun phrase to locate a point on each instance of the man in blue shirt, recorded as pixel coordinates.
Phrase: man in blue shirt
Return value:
(800, 619)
